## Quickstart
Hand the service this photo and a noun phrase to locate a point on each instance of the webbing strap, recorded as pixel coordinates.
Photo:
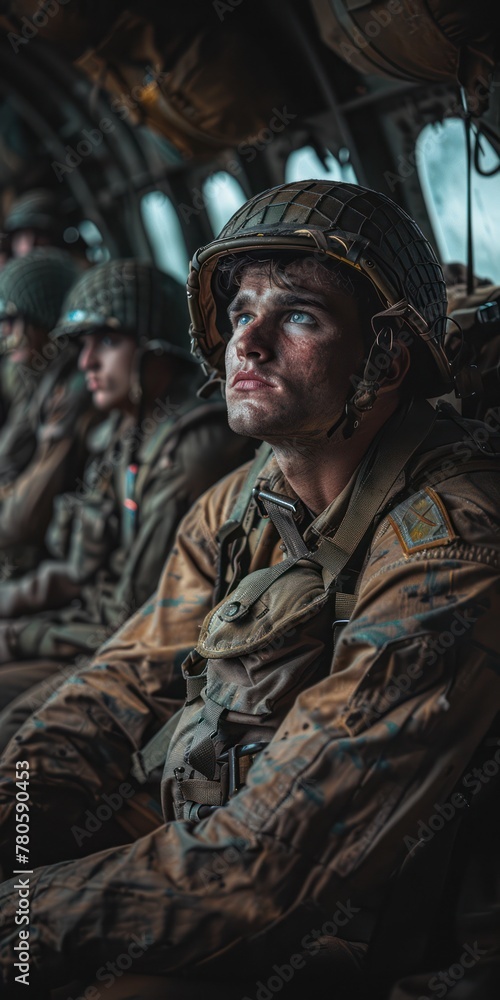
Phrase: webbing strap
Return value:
(202, 791)
(195, 685)
(377, 475)
(154, 753)
(344, 605)
(234, 527)
(227, 531)
(202, 753)
(376, 478)
(285, 525)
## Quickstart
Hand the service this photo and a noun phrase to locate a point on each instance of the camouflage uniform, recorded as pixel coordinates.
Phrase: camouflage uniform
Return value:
(326, 808)
(478, 316)
(43, 445)
(106, 561)
(368, 727)
(110, 540)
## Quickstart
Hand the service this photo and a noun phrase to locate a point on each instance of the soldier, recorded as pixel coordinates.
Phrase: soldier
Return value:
(475, 329)
(164, 447)
(37, 218)
(347, 663)
(43, 442)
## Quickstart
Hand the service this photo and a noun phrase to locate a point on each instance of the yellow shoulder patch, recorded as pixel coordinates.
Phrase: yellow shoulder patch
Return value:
(421, 522)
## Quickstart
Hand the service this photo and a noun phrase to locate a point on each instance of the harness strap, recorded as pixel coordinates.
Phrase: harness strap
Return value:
(282, 511)
(344, 606)
(153, 754)
(202, 754)
(234, 527)
(377, 476)
(202, 791)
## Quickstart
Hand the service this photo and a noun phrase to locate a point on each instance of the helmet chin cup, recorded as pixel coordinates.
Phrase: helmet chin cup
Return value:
(365, 395)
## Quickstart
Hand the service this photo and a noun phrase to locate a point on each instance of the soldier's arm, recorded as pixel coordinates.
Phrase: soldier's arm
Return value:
(204, 453)
(328, 809)
(62, 422)
(138, 677)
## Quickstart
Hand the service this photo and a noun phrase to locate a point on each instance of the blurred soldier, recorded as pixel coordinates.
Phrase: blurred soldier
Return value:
(347, 662)
(35, 219)
(165, 446)
(476, 333)
(43, 440)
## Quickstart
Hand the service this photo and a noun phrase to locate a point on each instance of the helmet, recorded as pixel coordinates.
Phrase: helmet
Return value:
(35, 286)
(36, 209)
(362, 229)
(132, 297)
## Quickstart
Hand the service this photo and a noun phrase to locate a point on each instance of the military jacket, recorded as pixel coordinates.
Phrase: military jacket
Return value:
(43, 449)
(110, 539)
(366, 751)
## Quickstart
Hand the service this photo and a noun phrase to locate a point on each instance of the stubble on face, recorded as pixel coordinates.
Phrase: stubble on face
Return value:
(303, 340)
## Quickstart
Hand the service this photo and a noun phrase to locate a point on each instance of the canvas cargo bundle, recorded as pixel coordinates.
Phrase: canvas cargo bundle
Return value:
(422, 40)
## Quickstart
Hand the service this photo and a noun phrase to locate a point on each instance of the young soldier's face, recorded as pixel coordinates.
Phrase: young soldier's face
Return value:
(108, 362)
(21, 340)
(291, 353)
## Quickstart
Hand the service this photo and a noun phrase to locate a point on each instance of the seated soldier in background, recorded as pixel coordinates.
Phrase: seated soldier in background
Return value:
(43, 441)
(478, 335)
(38, 218)
(164, 446)
(326, 716)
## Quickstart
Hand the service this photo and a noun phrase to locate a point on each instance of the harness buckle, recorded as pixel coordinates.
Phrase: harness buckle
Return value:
(293, 507)
(232, 757)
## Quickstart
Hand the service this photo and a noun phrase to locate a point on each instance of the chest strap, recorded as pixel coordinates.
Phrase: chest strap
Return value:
(375, 481)
(378, 474)
(234, 528)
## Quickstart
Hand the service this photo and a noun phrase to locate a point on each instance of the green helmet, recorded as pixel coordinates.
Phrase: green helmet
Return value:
(35, 286)
(132, 297)
(360, 228)
(36, 209)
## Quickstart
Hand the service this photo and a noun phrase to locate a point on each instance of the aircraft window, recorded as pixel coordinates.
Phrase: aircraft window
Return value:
(441, 162)
(223, 195)
(305, 163)
(95, 252)
(164, 230)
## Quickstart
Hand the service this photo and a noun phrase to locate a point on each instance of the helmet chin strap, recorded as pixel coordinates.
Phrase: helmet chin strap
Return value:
(365, 394)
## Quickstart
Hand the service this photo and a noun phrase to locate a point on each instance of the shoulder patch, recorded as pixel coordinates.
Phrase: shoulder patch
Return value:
(421, 522)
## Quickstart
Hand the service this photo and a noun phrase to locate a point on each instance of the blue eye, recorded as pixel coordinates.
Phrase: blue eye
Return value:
(301, 318)
(243, 320)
